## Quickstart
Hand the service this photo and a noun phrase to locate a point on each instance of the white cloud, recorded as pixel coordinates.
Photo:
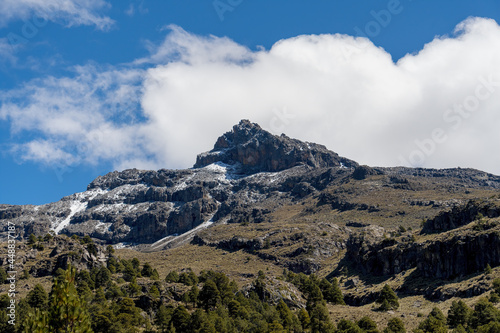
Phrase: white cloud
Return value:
(90, 117)
(68, 12)
(337, 90)
(132, 9)
(6, 52)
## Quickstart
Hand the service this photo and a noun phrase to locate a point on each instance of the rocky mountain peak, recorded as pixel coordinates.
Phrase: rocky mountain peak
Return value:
(254, 150)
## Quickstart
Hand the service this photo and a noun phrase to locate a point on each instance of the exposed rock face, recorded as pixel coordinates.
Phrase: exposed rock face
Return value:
(460, 255)
(461, 215)
(65, 252)
(244, 179)
(446, 257)
(257, 150)
(363, 171)
(136, 206)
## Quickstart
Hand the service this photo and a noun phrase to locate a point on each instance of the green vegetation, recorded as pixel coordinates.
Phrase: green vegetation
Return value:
(126, 295)
(67, 312)
(388, 299)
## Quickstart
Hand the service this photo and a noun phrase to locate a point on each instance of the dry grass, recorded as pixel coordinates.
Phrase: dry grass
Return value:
(239, 265)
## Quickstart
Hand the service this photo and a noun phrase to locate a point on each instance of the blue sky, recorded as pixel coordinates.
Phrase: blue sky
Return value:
(87, 87)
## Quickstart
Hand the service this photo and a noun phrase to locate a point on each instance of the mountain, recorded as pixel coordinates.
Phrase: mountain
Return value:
(262, 203)
(253, 150)
(278, 184)
(247, 166)
(247, 175)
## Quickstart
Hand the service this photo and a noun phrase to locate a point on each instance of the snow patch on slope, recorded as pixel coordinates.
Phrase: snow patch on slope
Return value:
(76, 207)
(185, 236)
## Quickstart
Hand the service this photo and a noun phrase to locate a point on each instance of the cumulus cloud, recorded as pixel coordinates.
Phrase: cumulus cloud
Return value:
(436, 108)
(68, 12)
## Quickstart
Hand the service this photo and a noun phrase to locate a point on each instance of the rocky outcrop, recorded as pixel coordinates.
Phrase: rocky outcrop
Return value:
(234, 244)
(458, 177)
(275, 290)
(363, 171)
(461, 215)
(460, 255)
(66, 252)
(340, 203)
(256, 150)
(445, 257)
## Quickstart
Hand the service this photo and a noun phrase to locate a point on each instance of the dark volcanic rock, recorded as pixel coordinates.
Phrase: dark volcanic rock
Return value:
(460, 215)
(257, 150)
(363, 171)
(247, 176)
(445, 257)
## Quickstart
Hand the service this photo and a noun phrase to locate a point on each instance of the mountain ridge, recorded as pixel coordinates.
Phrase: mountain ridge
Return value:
(427, 232)
(249, 174)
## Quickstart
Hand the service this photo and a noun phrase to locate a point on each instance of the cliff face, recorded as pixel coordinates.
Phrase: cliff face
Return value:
(460, 255)
(460, 215)
(447, 255)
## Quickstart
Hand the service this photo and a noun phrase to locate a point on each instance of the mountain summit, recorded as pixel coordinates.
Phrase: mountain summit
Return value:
(250, 176)
(257, 200)
(256, 150)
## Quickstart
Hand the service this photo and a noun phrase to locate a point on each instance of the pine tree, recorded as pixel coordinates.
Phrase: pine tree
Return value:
(193, 295)
(153, 291)
(162, 319)
(32, 239)
(458, 314)
(147, 270)
(66, 312)
(331, 291)
(320, 320)
(275, 327)
(38, 297)
(135, 264)
(367, 325)
(85, 276)
(110, 250)
(347, 326)
(209, 295)
(388, 299)
(459, 329)
(103, 321)
(286, 315)
(304, 318)
(314, 297)
(99, 297)
(438, 314)
(172, 277)
(128, 315)
(496, 286)
(395, 325)
(155, 276)
(102, 277)
(492, 327)
(234, 308)
(37, 322)
(5, 327)
(181, 319)
(484, 312)
(435, 322)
